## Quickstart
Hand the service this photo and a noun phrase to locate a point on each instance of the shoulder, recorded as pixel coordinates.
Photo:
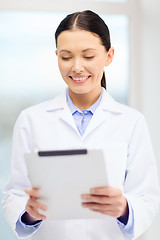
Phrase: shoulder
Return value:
(39, 111)
(119, 109)
(129, 111)
(46, 106)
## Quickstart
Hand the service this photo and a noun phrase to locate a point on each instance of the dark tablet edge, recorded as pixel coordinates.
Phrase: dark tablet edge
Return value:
(62, 152)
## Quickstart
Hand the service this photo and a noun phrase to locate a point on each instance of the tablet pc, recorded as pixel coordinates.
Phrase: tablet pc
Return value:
(62, 176)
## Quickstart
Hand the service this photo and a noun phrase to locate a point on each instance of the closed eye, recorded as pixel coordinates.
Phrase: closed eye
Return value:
(66, 58)
(91, 57)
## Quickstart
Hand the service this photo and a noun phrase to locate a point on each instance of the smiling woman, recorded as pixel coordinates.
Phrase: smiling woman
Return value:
(83, 51)
(81, 60)
(29, 72)
(85, 116)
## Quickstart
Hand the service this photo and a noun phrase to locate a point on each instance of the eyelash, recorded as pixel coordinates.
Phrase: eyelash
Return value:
(68, 58)
(89, 57)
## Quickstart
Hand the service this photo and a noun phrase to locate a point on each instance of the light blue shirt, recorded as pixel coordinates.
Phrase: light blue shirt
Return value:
(82, 119)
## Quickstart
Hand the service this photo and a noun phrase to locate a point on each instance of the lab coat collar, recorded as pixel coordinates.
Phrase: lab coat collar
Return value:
(107, 103)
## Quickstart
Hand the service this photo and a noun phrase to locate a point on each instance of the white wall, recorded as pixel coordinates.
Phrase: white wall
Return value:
(148, 87)
(145, 62)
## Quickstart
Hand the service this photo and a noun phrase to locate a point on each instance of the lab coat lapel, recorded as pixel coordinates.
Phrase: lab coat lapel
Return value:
(107, 105)
(60, 106)
(66, 116)
(98, 118)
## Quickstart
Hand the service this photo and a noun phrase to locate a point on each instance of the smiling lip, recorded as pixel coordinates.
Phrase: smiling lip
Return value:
(79, 79)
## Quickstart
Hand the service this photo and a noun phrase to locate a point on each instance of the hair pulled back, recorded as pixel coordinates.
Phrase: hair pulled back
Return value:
(88, 21)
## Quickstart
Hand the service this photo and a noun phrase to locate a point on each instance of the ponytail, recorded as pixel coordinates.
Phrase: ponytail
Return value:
(103, 80)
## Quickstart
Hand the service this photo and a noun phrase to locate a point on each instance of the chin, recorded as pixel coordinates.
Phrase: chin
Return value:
(79, 90)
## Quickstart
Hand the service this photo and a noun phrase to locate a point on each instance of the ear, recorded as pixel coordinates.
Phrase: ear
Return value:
(110, 55)
(56, 52)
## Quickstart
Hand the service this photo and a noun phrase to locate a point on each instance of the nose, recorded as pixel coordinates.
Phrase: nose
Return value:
(77, 66)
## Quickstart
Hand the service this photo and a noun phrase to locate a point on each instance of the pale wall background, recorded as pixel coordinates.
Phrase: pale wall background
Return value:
(144, 63)
(149, 99)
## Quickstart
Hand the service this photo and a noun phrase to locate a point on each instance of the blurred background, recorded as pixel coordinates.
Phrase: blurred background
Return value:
(29, 72)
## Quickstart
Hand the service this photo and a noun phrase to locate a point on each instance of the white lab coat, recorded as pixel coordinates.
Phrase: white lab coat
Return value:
(122, 134)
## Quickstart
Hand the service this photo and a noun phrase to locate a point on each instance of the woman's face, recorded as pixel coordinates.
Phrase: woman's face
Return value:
(81, 60)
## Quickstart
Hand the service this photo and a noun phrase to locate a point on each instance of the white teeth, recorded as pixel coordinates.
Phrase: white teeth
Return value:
(80, 79)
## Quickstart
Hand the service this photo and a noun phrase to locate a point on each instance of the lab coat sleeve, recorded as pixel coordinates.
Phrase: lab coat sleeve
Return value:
(15, 198)
(141, 184)
(128, 229)
(25, 230)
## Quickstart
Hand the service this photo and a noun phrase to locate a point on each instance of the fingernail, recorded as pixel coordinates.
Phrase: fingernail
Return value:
(44, 208)
(92, 190)
(91, 208)
(83, 197)
(26, 190)
(84, 205)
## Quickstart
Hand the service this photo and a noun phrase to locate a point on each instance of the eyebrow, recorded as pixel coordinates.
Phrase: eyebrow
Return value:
(85, 50)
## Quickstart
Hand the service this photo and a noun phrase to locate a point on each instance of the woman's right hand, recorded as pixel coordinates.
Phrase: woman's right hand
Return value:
(33, 205)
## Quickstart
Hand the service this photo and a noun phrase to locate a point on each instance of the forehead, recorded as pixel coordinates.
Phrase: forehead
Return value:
(80, 39)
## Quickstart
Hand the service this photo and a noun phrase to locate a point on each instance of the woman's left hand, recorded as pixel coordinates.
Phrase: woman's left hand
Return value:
(106, 200)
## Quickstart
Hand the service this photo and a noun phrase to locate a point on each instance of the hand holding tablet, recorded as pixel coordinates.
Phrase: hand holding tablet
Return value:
(62, 176)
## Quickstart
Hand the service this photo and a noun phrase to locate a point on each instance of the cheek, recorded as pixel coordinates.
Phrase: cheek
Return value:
(64, 69)
(97, 69)
(98, 65)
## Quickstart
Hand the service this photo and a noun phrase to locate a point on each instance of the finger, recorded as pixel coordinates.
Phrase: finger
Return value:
(35, 204)
(112, 210)
(32, 192)
(109, 213)
(114, 202)
(98, 198)
(34, 213)
(100, 207)
(106, 191)
(104, 209)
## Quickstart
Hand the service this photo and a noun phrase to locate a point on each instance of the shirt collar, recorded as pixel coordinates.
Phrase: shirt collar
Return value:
(107, 103)
(73, 108)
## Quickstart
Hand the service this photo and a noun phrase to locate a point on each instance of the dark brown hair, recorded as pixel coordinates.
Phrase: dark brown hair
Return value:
(89, 21)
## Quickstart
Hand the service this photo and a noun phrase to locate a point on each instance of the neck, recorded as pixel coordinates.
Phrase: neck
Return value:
(84, 101)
